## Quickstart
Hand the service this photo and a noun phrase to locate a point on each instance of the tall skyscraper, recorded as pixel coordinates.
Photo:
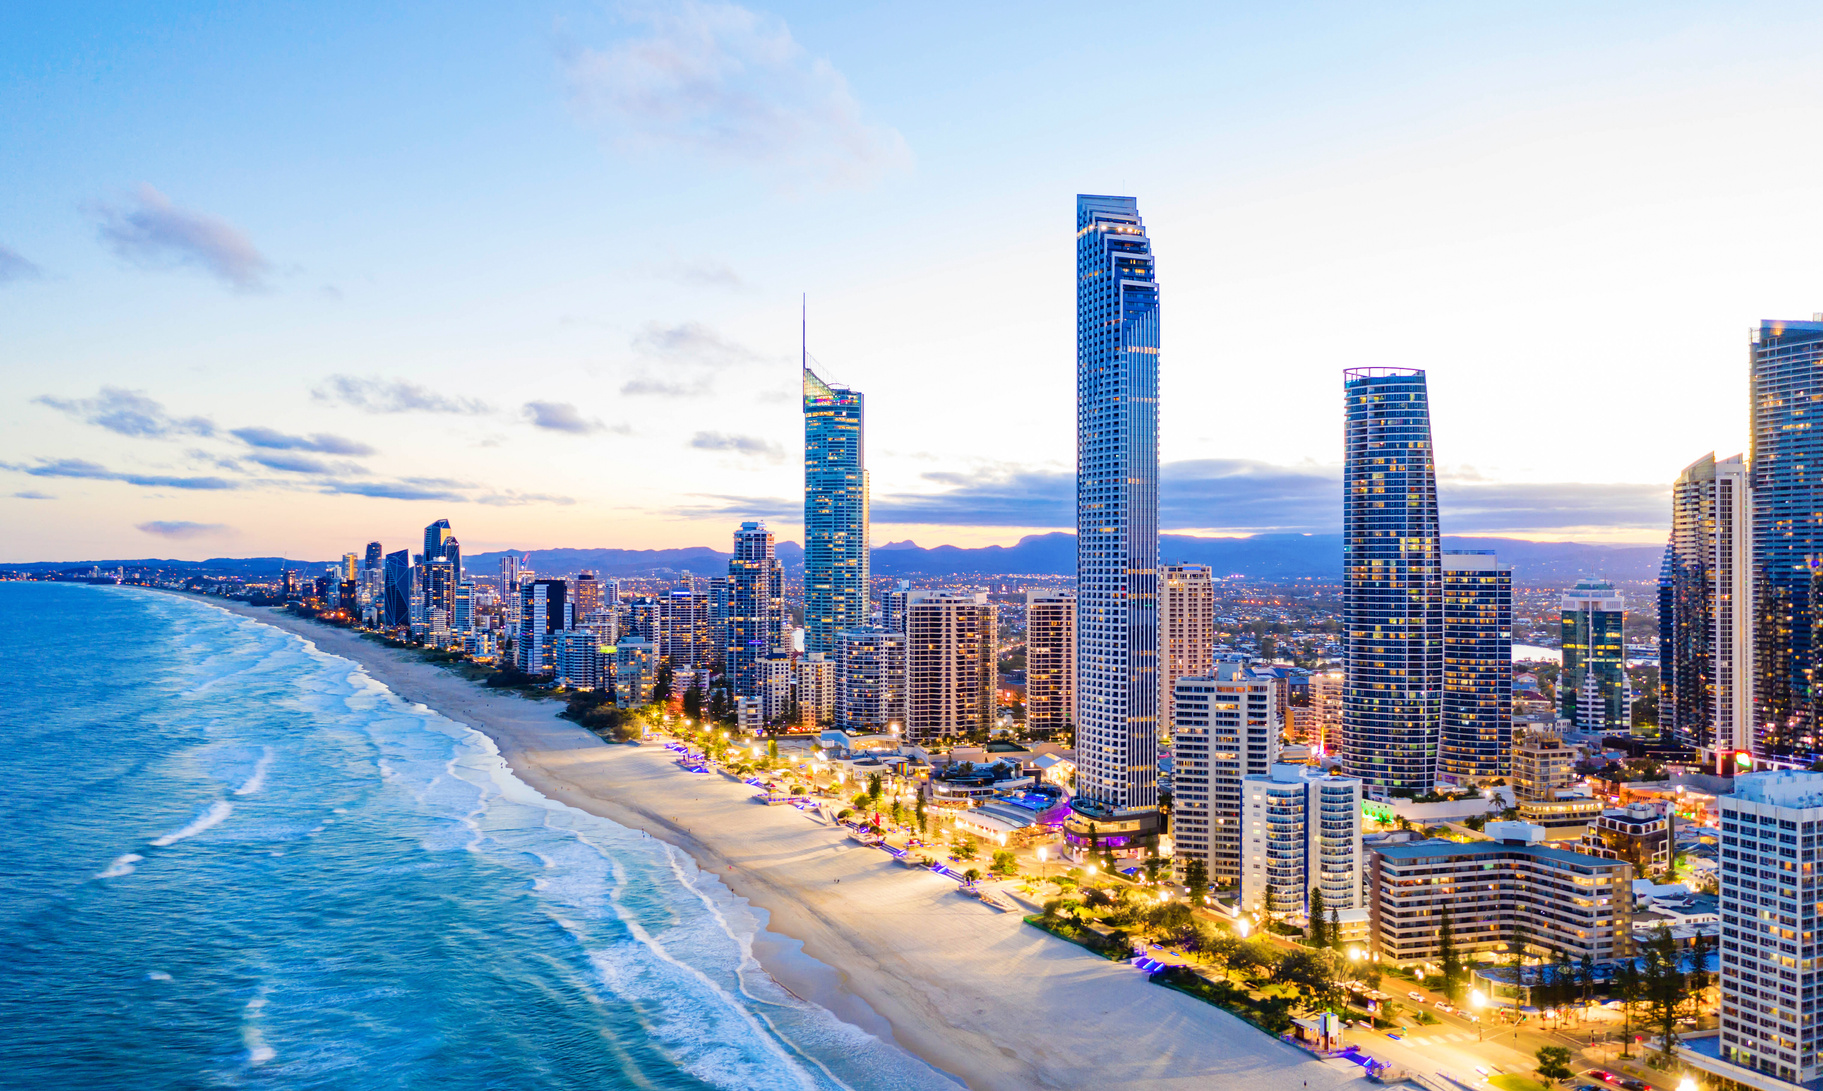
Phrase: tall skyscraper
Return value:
(836, 554)
(374, 559)
(1186, 630)
(756, 607)
(396, 611)
(1477, 724)
(509, 576)
(1117, 344)
(1592, 686)
(950, 666)
(1050, 661)
(1392, 563)
(351, 567)
(1786, 464)
(542, 615)
(434, 537)
(1707, 678)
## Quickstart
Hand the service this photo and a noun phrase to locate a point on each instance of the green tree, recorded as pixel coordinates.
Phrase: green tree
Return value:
(918, 811)
(1319, 924)
(693, 703)
(1554, 1062)
(1335, 929)
(772, 749)
(1196, 877)
(1627, 991)
(661, 686)
(1664, 988)
(1005, 863)
(1587, 974)
(1448, 955)
(873, 788)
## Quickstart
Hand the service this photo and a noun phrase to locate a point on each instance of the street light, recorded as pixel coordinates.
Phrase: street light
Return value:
(1478, 1000)
(1686, 1084)
(1241, 927)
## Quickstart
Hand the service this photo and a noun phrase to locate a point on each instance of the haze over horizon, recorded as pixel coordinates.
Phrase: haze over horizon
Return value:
(277, 282)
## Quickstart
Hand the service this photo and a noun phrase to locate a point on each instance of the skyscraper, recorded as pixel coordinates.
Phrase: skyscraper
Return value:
(756, 607)
(1117, 343)
(351, 567)
(836, 555)
(870, 680)
(1592, 687)
(1227, 730)
(1186, 630)
(1706, 670)
(1786, 464)
(374, 559)
(1050, 661)
(434, 537)
(542, 615)
(1477, 719)
(397, 604)
(1392, 563)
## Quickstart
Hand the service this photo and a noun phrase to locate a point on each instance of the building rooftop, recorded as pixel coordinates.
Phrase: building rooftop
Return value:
(1781, 788)
(1437, 846)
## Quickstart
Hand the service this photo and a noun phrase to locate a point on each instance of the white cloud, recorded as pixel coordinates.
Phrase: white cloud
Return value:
(154, 232)
(732, 84)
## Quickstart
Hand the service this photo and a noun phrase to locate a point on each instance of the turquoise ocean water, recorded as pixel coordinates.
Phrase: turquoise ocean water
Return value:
(233, 861)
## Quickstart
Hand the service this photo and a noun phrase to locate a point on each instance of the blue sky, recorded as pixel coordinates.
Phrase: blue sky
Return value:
(285, 278)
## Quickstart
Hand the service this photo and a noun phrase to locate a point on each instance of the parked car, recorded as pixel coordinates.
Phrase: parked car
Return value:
(1635, 1085)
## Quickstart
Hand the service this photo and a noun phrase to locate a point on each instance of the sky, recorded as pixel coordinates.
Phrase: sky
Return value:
(280, 279)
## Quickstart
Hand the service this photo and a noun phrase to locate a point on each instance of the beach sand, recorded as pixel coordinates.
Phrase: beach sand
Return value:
(899, 952)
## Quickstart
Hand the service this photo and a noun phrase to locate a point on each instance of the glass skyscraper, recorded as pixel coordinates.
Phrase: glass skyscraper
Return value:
(1477, 731)
(1116, 526)
(1392, 565)
(1706, 650)
(1786, 468)
(1592, 690)
(835, 513)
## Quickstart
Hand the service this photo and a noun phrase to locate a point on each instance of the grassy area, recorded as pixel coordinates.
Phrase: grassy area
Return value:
(1271, 1014)
(1512, 1081)
(1116, 948)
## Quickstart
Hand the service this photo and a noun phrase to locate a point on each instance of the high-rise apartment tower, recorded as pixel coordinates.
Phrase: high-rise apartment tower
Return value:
(1477, 722)
(1186, 630)
(756, 607)
(1117, 344)
(1392, 563)
(1050, 661)
(1708, 675)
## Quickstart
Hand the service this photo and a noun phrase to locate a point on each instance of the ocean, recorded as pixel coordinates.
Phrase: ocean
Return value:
(234, 861)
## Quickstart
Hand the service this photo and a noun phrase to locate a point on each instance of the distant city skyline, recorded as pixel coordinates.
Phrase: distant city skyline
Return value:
(518, 273)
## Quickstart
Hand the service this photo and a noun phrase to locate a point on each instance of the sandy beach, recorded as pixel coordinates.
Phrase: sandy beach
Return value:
(899, 952)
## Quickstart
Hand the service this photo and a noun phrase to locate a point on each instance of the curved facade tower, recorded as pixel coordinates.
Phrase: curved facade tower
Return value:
(1116, 526)
(1392, 570)
(835, 513)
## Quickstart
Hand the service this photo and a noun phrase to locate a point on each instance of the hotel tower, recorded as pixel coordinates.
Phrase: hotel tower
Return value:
(835, 513)
(1116, 527)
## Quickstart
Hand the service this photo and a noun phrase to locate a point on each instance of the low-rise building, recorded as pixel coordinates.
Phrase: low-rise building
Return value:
(1638, 833)
(1496, 891)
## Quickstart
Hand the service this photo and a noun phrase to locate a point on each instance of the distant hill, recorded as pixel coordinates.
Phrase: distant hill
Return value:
(1263, 556)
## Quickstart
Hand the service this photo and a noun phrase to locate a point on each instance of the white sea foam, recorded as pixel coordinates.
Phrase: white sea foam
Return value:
(258, 1052)
(122, 865)
(258, 779)
(214, 816)
(158, 975)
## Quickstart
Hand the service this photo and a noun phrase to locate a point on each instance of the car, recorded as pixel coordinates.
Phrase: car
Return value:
(1635, 1085)
(1416, 995)
(1444, 1006)
(1471, 1017)
(1588, 1087)
(1605, 1077)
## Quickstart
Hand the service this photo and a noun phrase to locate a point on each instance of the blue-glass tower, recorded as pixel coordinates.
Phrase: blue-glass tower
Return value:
(1392, 570)
(396, 605)
(1116, 525)
(1786, 468)
(835, 513)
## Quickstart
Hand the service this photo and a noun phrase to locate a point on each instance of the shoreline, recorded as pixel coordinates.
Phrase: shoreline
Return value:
(975, 993)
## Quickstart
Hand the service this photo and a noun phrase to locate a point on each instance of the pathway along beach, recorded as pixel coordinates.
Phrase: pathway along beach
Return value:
(977, 993)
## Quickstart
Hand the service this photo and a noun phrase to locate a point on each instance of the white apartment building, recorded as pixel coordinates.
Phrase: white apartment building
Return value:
(1228, 729)
(1326, 702)
(1771, 969)
(1186, 630)
(1301, 831)
(816, 683)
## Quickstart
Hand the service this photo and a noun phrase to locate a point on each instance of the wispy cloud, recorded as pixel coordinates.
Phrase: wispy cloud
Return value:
(391, 490)
(130, 413)
(29, 495)
(512, 499)
(320, 443)
(177, 528)
(15, 267)
(729, 83)
(746, 445)
(86, 470)
(707, 273)
(683, 359)
(564, 417)
(393, 396)
(151, 231)
(292, 464)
